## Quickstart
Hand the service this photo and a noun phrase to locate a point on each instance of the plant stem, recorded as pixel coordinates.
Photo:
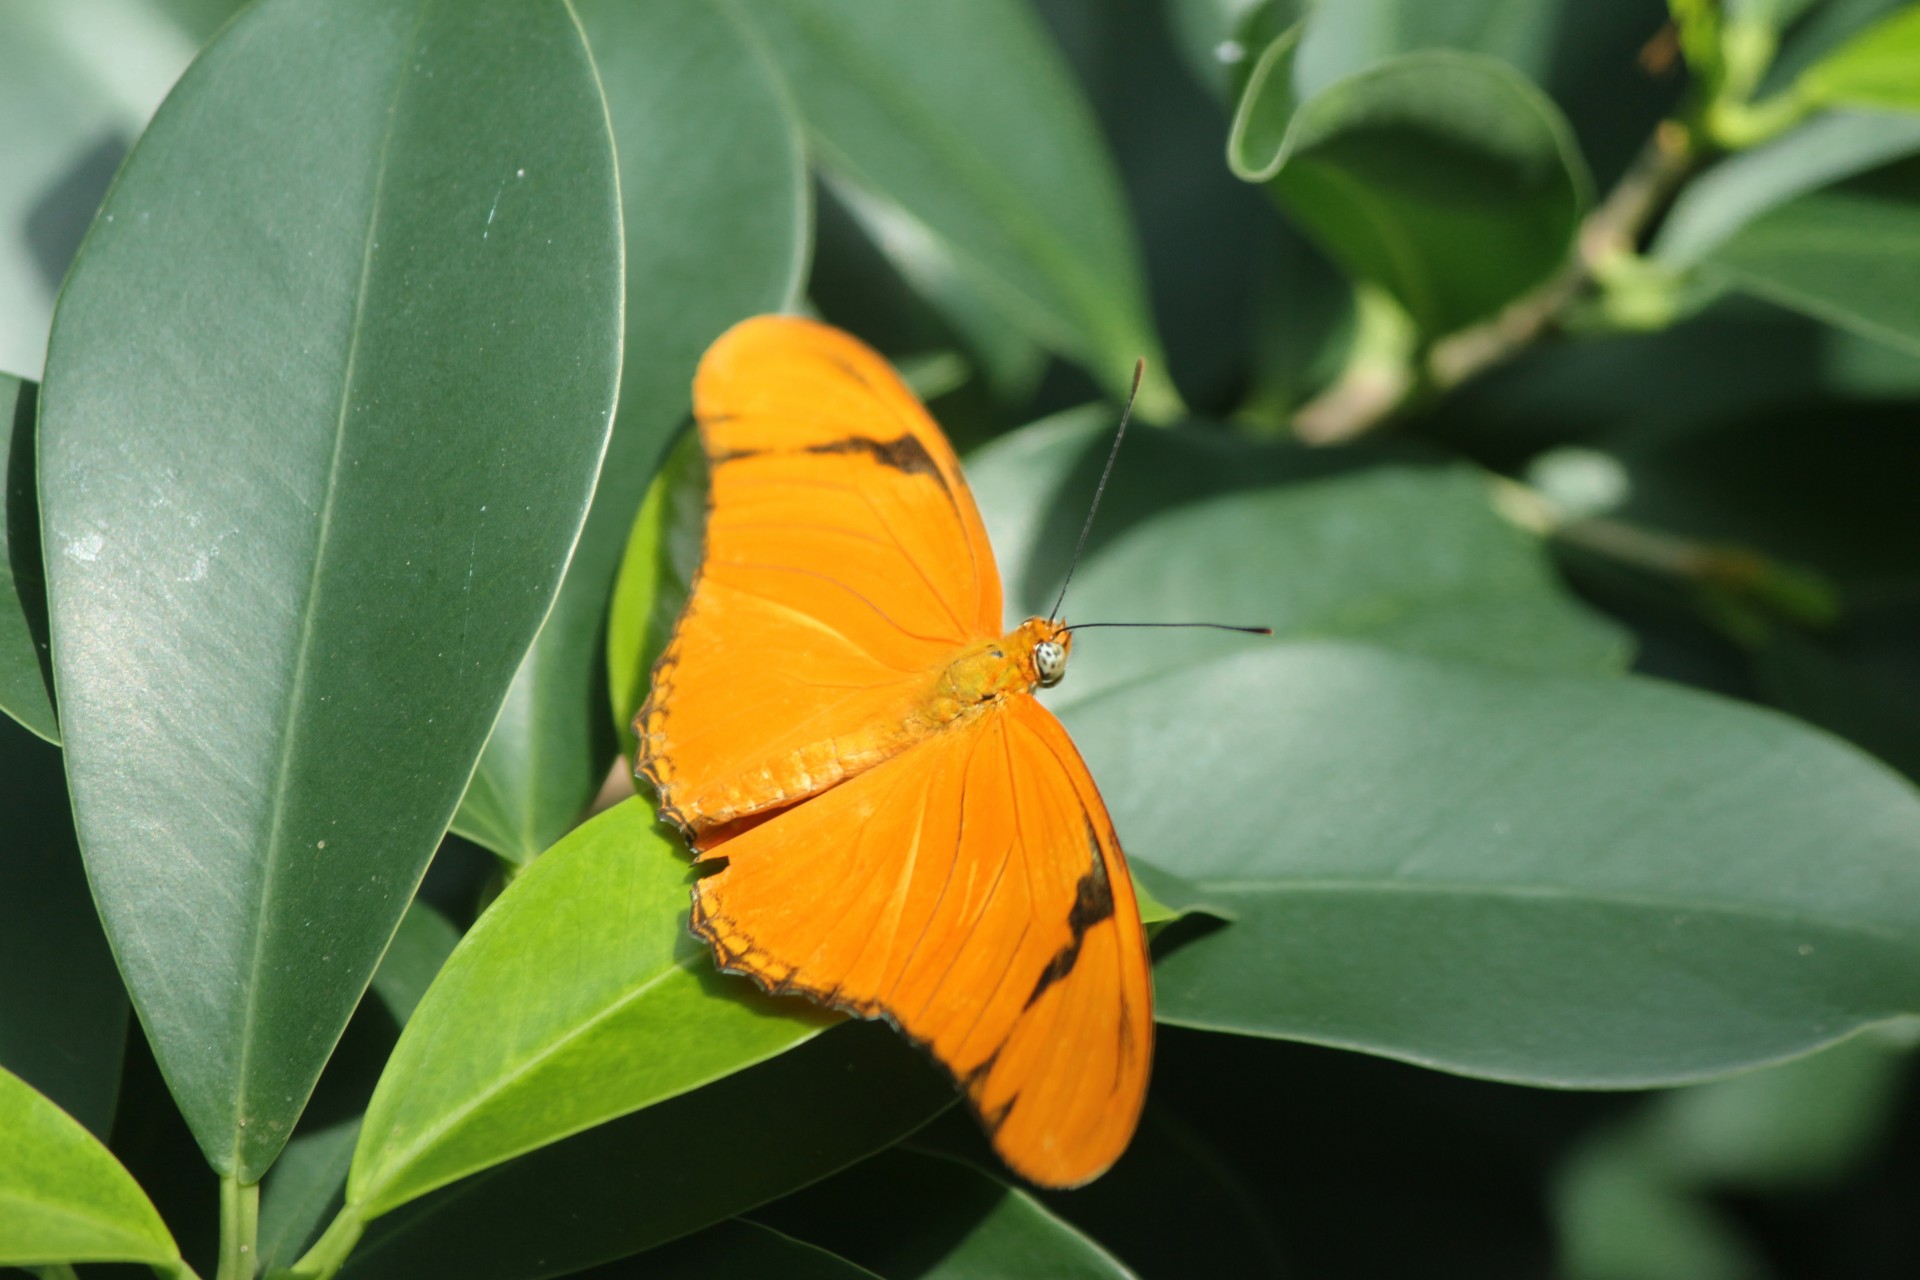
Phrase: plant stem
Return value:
(1607, 239)
(239, 1229)
(329, 1252)
(1784, 590)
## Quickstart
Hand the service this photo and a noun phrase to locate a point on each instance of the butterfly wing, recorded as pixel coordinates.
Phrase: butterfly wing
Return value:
(845, 564)
(977, 899)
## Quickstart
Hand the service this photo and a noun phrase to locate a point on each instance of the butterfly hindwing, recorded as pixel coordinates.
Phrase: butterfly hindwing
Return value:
(845, 562)
(980, 902)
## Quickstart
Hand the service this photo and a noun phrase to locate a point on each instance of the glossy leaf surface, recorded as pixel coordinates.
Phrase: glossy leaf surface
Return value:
(300, 540)
(1575, 881)
(1413, 557)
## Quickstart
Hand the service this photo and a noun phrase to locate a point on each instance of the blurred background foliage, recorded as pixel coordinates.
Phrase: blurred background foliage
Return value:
(1514, 342)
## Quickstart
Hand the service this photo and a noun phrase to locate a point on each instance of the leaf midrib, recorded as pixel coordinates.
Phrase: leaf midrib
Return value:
(295, 702)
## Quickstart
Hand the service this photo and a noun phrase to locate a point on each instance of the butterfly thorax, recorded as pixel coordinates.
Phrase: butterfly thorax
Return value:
(1013, 663)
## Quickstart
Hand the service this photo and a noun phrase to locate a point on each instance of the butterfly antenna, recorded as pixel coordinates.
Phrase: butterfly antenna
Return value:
(1126, 415)
(1210, 626)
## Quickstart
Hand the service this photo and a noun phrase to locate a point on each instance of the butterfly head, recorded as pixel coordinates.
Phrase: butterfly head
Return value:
(1046, 645)
(1049, 662)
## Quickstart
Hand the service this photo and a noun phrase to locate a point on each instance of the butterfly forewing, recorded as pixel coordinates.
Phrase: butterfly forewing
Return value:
(844, 564)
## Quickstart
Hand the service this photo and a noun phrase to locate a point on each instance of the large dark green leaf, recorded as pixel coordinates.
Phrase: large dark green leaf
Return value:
(26, 675)
(63, 1012)
(1412, 557)
(966, 148)
(327, 394)
(1445, 177)
(578, 997)
(303, 1191)
(667, 1171)
(1552, 879)
(912, 1215)
(714, 197)
(420, 946)
(63, 1197)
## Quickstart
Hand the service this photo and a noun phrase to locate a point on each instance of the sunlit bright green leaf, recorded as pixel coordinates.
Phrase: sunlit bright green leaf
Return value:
(63, 1197)
(668, 1170)
(578, 997)
(1876, 69)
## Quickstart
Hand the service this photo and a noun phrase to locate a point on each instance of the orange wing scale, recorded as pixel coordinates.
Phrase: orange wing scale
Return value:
(907, 833)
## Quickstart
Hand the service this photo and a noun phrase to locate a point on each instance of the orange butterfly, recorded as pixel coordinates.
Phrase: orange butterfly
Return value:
(908, 833)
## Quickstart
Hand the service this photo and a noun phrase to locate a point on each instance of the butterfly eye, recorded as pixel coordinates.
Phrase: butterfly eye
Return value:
(1050, 662)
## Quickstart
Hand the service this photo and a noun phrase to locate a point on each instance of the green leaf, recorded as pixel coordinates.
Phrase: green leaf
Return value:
(419, 948)
(655, 579)
(1175, 1204)
(740, 1247)
(63, 1012)
(299, 545)
(1621, 1218)
(913, 1213)
(716, 207)
(1562, 880)
(669, 1170)
(578, 997)
(1875, 70)
(63, 1197)
(1848, 254)
(1803, 1126)
(971, 152)
(1718, 203)
(74, 92)
(303, 1190)
(1445, 177)
(1341, 39)
(26, 674)
(1412, 557)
